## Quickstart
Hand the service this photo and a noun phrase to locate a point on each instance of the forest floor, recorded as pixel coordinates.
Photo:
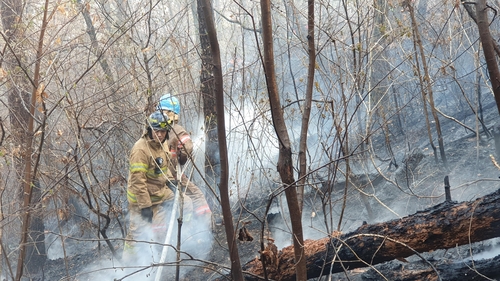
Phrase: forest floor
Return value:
(471, 171)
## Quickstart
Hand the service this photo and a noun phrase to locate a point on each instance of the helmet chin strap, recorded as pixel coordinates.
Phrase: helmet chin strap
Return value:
(150, 134)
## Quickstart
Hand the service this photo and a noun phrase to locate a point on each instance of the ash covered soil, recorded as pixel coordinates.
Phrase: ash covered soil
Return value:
(471, 171)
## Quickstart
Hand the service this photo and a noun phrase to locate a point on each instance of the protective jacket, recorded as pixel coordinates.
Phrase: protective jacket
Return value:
(148, 174)
(180, 146)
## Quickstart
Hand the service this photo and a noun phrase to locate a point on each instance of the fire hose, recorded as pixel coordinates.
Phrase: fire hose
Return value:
(178, 200)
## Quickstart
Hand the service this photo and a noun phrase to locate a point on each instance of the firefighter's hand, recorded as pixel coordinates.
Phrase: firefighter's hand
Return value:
(147, 214)
(172, 185)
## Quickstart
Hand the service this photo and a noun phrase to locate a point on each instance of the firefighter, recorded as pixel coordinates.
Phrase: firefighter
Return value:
(150, 192)
(180, 146)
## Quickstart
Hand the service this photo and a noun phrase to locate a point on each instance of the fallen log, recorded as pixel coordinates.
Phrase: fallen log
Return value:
(483, 269)
(443, 226)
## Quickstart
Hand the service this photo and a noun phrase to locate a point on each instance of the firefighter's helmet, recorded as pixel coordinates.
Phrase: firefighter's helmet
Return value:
(170, 103)
(159, 121)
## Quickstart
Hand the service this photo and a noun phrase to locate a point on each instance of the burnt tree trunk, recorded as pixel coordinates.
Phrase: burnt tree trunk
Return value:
(444, 226)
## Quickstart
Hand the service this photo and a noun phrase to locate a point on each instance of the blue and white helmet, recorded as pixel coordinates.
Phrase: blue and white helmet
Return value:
(169, 102)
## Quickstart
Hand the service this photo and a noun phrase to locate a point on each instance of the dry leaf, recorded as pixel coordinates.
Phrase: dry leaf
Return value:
(16, 151)
(61, 9)
(244, 235)
(38, 93)
(495, 163)
(336, 234)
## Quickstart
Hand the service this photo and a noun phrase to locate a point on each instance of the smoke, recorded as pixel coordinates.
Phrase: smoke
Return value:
(491, 250)
(253, 153)
(488, 254)
(196, 243)
(281, 229)
(66, 238)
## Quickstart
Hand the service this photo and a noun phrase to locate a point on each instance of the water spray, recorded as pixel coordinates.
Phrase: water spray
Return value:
(179, 199)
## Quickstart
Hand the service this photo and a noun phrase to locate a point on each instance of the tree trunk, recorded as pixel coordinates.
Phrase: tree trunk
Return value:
(426, 86)
(285, 166)
(207, 85)
(32, 253)
(216, 69)
(18, 98)
(490, 57)
(444, 226)
(36, 253)
(95, 49)
(32, 227)
(307, 104)
(488, 49)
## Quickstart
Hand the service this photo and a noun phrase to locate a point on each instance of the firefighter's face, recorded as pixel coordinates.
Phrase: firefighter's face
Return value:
(159, 135)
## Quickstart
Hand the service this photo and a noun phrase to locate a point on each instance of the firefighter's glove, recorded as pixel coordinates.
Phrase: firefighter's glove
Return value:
(182, 158)
(147, 214)
(172, 185)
